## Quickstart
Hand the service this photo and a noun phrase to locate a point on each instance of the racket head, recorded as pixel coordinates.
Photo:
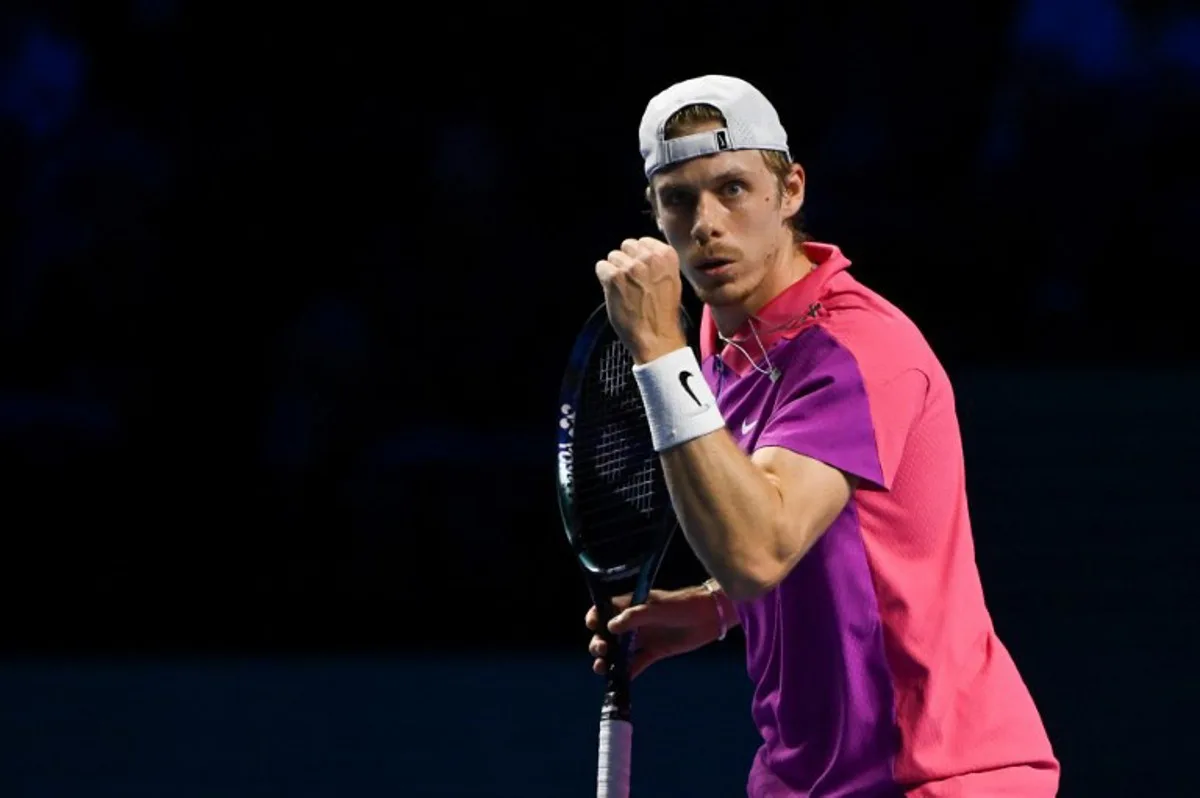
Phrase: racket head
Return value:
(612, 492)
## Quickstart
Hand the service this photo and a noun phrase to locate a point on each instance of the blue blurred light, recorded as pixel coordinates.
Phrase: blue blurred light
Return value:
(41, 84)
(1093, 36)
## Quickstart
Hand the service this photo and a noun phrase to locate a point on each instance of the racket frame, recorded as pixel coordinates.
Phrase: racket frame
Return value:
(601, 582)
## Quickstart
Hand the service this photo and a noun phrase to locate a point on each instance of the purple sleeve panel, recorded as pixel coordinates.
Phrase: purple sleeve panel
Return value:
(821, 410)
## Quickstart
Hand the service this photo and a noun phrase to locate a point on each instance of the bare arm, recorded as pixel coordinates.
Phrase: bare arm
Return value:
(751, 519)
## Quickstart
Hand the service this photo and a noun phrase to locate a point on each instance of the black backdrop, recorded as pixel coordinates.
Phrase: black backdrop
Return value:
(287, 293)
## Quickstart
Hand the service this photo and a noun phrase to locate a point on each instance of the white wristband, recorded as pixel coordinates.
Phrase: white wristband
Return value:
(679, 404)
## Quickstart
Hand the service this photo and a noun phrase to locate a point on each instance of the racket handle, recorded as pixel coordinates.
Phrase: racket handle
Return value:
(616, 747)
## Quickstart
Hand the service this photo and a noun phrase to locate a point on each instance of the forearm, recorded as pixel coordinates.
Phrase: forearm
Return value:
(729, 511)
(742, 525)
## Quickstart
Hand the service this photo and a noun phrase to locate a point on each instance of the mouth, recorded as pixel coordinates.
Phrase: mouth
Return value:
(713, 264)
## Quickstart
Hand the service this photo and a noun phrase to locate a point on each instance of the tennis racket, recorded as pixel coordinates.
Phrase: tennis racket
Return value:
(616, 511)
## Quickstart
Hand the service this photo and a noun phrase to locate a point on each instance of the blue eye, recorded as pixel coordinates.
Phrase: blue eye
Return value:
(676, 199)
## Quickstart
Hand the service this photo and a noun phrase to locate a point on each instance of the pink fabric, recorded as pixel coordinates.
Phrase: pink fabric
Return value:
(966, 722)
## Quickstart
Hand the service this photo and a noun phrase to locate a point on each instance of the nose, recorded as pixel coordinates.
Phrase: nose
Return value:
(706, 225)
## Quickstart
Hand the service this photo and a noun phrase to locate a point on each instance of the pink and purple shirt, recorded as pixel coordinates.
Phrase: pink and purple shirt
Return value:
(876, 666)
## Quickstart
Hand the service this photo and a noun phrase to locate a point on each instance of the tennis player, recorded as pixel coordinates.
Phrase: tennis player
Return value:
(814, 460)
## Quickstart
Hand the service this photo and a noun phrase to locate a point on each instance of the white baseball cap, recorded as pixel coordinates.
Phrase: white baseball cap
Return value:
(751, 122)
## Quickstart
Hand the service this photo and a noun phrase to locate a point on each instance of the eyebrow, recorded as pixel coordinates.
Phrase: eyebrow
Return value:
(732, 173)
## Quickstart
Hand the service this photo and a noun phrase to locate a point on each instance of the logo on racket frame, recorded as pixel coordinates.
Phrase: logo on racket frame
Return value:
(618, 573)
(566, 454)
(567, 422)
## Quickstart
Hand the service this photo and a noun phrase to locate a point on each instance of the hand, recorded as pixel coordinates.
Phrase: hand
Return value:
(671, 622)
(643, 292)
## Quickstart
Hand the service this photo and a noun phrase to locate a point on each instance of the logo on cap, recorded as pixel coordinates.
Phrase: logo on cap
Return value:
(722, 140)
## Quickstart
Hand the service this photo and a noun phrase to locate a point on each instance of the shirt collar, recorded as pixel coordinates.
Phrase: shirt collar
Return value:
(792, 310)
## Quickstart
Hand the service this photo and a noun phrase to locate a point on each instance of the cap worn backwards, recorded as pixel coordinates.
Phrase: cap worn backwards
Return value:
(751, 122)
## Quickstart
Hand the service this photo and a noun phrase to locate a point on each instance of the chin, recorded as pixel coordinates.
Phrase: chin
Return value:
(725, 292)
(723, 295)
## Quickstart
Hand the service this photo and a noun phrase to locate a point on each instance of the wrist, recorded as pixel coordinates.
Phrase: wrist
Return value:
(724, 612)
(645, 351)
(679, 404)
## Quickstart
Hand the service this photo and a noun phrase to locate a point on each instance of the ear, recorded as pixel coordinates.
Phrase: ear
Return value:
(793, 191)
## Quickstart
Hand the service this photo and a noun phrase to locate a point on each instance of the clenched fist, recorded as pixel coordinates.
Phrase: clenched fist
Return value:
(643, 292)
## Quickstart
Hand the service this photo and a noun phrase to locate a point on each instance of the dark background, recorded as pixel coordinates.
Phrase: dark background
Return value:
(284, 301)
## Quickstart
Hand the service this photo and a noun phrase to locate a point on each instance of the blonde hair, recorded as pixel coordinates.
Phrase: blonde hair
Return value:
(687, 119)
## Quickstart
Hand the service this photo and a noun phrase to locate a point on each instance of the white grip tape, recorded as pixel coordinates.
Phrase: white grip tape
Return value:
(679, 404)
(616, 748)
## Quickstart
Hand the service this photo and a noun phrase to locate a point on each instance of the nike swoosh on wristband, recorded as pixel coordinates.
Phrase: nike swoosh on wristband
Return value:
(684, 376)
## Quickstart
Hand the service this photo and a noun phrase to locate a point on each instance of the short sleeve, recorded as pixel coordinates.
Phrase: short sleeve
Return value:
(823, 410)
(896, 404)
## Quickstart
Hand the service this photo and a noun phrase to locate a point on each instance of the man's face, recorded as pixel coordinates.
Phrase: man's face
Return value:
(723, 215)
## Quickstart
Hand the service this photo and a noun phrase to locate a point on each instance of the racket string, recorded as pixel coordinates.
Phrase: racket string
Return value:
(628, 473)
(619, 489)
(614, 448)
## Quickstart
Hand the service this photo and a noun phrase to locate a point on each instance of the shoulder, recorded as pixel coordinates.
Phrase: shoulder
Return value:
(883, 340)
(820, 406)
(865, 367)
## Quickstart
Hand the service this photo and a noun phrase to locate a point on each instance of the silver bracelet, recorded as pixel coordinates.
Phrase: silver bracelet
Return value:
(713, 588)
